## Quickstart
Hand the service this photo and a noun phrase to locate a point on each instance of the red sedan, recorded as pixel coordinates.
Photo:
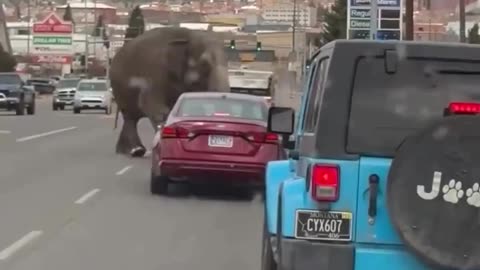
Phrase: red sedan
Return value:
(214, 137)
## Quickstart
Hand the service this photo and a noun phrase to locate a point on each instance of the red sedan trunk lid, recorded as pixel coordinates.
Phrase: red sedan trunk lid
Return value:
(221, 135)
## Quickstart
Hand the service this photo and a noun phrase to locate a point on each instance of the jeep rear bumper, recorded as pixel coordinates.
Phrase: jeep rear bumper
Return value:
(306, 255)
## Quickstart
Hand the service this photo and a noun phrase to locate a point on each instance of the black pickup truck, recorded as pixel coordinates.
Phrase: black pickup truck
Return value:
(15, 94)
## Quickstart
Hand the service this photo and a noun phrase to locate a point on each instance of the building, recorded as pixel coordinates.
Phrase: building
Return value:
(283, 13)
(87, 12)
(430, 32)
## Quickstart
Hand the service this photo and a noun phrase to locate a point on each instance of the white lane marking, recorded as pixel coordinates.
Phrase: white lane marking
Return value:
(87, 196)
(28, 138)
(9, 251)
(5, 132)
(124, 170)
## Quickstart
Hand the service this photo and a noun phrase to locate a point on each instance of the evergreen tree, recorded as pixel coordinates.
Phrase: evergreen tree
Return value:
(136, 24)
(7, 61)
(98, 31)
(106, 40)
(473, 36)
(335, 22)
(68, 17)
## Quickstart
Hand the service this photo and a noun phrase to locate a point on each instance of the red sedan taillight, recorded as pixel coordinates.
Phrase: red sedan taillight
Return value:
(325, 182)
(174, 132)
(263, 138)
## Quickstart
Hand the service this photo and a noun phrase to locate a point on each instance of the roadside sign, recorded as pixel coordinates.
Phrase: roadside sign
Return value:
(53, 24)
(51, 59)
(52, 40)
(389, 23)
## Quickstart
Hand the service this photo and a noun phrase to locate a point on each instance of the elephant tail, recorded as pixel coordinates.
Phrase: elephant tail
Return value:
(116, 118)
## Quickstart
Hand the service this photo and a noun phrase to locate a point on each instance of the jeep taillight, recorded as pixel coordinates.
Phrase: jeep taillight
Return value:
(463, 108)
(325, 182)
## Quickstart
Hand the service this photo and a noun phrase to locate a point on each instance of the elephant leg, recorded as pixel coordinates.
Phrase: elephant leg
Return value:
(129, 142)
(154, 125)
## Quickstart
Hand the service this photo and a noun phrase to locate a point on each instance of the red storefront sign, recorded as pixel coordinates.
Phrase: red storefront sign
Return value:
(52, 59)
(52, 24)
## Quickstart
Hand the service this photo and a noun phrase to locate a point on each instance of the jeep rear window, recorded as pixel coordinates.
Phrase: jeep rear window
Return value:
(386, 108)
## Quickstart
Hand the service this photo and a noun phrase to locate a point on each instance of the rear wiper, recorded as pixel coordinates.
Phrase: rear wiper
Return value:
(458, 71)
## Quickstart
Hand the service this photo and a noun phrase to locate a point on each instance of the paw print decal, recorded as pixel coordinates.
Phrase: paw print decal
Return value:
(453, 191)
(473, 195)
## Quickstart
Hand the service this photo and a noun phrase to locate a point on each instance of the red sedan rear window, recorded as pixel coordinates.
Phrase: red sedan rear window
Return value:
(226, 107)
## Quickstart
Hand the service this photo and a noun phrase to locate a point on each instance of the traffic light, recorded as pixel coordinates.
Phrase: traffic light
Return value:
(232, 44)
(259, 46)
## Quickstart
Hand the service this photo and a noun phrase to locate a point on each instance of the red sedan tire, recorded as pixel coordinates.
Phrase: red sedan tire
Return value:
(159, 184)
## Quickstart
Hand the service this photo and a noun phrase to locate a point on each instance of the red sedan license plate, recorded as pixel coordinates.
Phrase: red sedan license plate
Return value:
(220, 141)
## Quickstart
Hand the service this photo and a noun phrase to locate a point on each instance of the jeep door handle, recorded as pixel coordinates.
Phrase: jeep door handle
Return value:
(373, 181)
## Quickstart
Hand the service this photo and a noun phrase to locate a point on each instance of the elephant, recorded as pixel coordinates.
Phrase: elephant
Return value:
(151, 71)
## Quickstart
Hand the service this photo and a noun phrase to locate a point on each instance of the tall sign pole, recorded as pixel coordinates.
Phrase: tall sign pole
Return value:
(373, 19)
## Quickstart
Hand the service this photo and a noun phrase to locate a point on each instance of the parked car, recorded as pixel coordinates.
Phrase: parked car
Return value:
(15, 94)
(64, 93)
(211, 137)
(93, 95)
(42, 85)
(371, 133)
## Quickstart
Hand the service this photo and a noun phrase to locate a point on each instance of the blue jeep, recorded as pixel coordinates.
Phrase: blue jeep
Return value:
(379, 177)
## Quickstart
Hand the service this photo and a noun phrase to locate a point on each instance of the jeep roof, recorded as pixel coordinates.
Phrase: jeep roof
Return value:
(377, 93)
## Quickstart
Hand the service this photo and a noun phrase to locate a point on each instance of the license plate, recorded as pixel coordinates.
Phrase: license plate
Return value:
(323, 225)
(220, 141)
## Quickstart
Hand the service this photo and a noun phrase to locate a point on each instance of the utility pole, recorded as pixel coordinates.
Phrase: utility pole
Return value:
(373, 19)
(409, 19)
(461, 7)
(95, 25)
(294, 24)
(86, 36)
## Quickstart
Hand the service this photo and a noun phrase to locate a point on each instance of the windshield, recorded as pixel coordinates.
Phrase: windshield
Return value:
(92, 86)
(10, 79)
(386, 108)
(67, 83)
(230, 107)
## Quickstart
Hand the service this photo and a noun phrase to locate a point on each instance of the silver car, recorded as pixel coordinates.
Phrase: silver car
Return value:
(93, 95)
(64, 93)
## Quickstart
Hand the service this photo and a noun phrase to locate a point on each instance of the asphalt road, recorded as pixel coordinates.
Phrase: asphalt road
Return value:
(67, 201)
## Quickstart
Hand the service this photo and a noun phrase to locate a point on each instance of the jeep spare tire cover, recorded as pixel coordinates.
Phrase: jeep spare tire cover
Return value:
(433, 193)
